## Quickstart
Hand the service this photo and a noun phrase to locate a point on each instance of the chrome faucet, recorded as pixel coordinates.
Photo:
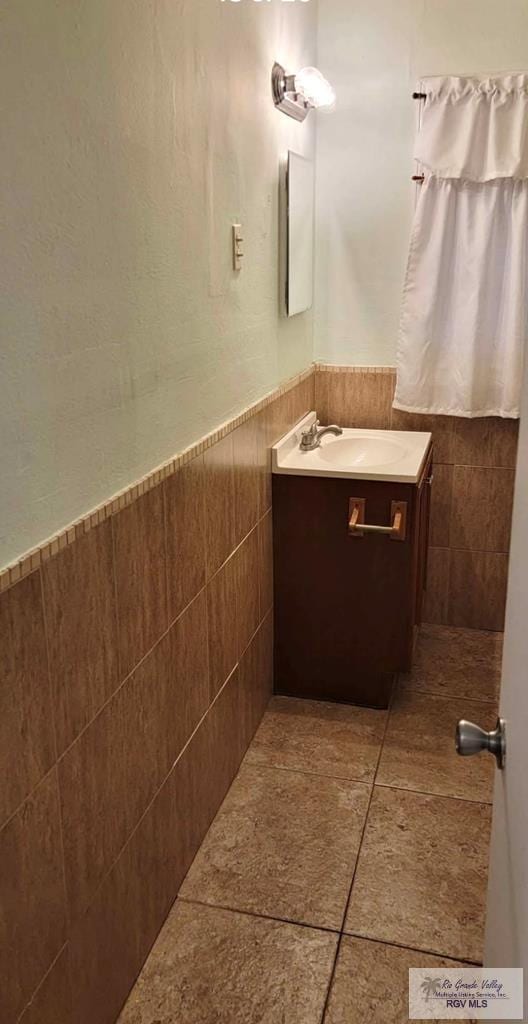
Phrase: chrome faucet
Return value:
(311, 438)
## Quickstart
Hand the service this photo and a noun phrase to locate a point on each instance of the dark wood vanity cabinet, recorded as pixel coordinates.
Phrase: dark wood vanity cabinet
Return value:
(347, 606)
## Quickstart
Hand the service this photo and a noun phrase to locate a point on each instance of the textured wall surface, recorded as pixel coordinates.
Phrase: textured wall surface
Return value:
(373, 51)
(136, 134)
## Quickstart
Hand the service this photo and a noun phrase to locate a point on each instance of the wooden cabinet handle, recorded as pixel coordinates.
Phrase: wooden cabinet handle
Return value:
(357, 527)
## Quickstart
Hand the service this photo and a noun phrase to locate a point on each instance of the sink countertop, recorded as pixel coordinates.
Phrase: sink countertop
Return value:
(357, 454)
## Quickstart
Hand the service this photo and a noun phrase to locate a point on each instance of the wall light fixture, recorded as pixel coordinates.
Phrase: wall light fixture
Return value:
(297, 94)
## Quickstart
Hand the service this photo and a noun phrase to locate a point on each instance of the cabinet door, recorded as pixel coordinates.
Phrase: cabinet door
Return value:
(344, 605)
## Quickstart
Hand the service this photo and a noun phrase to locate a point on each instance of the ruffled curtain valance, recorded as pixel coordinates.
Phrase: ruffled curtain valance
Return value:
(464, 320)
(477, 130)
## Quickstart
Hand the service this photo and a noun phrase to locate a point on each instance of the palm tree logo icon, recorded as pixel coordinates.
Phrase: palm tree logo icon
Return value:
(429, 986)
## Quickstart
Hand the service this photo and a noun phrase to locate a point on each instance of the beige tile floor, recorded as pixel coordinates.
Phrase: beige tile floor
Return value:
(352, 845)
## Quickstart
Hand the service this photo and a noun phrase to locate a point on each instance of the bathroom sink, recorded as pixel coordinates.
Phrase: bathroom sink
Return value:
(361, 451)
(397, 455)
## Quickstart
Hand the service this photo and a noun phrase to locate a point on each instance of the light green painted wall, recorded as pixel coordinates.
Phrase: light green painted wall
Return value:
(136, 132)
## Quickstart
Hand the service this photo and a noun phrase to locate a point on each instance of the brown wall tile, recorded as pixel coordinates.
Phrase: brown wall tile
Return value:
(185, 527)
(247, 589)
(80, 608)
(140, 566)
(482, 508)
(27, 746)
(219, 503)
(303, 400)
(222, 624)
(275, 420)
(111, 940)
(189, 667)
(284, 412)
(486, 441)
(441, 427)
(321, 396)
(360, 399)
(247, 477)
(441, 495)
(256, 678)
(224, 739)
(436, 607)
(127, 913)
(264, 461)
(265, 531)
(110, 774)
(33, 917)
(280, 414)
(477, 591)
(52, 1003)
(205, 771)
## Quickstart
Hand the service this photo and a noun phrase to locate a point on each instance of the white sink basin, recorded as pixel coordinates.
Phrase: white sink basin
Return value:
(397, 455)
(361, 451)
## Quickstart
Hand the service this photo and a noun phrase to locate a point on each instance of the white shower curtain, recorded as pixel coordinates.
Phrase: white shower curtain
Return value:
(465, 314)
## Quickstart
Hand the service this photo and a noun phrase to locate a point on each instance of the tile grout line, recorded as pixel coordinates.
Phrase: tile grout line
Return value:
(58, 760)
(58, 795)
(46, 974)
(361, 782)
(439, 796)
(163, 782)
(260, 916)
(100, 710)
(412, 949)
(117, 619)
(175, 762)
(60, 757)
(363, 831)
(304, 771)
(452, 696)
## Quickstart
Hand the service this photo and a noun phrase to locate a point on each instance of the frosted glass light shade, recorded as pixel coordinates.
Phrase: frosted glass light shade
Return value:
(314, 88)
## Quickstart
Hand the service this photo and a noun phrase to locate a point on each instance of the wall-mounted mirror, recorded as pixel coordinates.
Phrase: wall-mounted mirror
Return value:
(300, 234)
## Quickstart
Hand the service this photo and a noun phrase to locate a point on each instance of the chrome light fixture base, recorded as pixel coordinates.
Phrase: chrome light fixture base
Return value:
(284, 96)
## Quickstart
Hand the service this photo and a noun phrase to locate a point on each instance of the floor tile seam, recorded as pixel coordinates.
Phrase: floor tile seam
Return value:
(306, 771)
(261, 916)
(437, 796)
(411, 949)
(427, 792)
(363, 830)
(394, 945)
(371, 796)
(450, 696)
